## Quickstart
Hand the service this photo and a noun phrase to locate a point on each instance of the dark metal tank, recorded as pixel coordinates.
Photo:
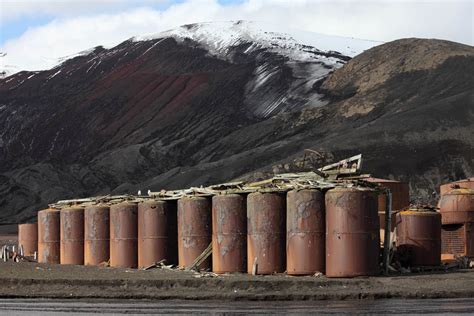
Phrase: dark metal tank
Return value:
(352, 232)
(229, 233)
(306, 232)
(266, 223)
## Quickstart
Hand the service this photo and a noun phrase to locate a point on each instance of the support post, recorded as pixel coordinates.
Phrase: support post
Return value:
(388, 224)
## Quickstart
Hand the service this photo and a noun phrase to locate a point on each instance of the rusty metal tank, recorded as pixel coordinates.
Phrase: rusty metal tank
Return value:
(72, 235)
(194, 230)
(124, 235)
(96, 234)
(48, 236)
(400, 193)
(400, 198)
(352, 232)
(229, 233)
(266, 230)
(28, 238)
(155, 229)
(419, 237)
(306, 232)
(461, 184)
(457, 206)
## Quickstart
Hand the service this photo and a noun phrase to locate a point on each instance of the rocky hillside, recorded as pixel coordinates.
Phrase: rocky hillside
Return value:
(183, 108)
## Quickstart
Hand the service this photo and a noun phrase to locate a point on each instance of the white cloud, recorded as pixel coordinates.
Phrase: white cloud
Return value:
(379, 20)
(15, 9)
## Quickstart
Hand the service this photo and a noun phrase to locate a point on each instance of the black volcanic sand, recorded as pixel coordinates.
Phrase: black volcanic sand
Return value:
(32, 280)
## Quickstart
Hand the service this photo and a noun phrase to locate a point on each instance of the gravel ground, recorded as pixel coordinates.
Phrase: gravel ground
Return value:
(28, 280)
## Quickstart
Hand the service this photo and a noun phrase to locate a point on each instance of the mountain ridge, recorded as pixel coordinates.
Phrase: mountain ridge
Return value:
(169, 114)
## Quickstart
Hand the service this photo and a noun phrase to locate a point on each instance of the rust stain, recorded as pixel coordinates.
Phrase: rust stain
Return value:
(48, 236)
(305, 232)
(352, 232)
(419, 237)
(266, 222)
(229, 233)
(123, 235)
(28, 238)
(194, 230)
(96, 234)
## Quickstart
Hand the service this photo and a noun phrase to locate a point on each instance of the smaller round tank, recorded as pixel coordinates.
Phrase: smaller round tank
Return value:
(123, 235)
(352, 232)
(306, 228)
(96, 234)
(457, 206)
(72, 235)
(229, 233)
(266, 221)
(28, 238)
(194, 230)
(48, 236)
(153, 232)
(419, 237)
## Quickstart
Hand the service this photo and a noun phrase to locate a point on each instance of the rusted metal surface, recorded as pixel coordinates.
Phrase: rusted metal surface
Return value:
(266, 230)
(419, 237)
(194, 230)
(72, 235)
(155, 221)
(28, 238)
(229, 233)
(400, 194)
(457, 206)
(48, 236)
(306, 232)
(352, 232)
(96, 234)
(123, 235)
(457, 240)
(461, 184)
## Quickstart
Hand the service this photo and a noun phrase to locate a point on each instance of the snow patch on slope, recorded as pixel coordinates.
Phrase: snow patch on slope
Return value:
(218, 37)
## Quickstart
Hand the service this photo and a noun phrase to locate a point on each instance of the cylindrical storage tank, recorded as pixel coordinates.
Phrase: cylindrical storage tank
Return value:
(400, 193)
(266, 223)
(72, 235)
(96, 234)
(400, 198)
(194, 230)
(28, 238)
(306, 232)
(229, 233)
(123, 235)
(457, 206)
(48, 236)
(419, 237)
(352, 232)
(153, 232)
(461, 184)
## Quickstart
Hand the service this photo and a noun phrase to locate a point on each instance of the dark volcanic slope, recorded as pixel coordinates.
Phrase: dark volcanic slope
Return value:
(161, 114)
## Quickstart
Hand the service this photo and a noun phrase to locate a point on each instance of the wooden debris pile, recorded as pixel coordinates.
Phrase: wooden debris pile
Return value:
(345, 173)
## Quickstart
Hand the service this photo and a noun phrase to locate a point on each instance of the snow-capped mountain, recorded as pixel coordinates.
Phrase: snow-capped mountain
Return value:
(307, 57)
(218, 37)
(207, 103)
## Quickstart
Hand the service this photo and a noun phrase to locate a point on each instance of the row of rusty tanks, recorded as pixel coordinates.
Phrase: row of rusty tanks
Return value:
(302, 231)
(456, 205)
(127, 234)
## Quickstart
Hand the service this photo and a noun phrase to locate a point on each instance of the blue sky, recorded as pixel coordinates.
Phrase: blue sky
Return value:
(35, 32)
